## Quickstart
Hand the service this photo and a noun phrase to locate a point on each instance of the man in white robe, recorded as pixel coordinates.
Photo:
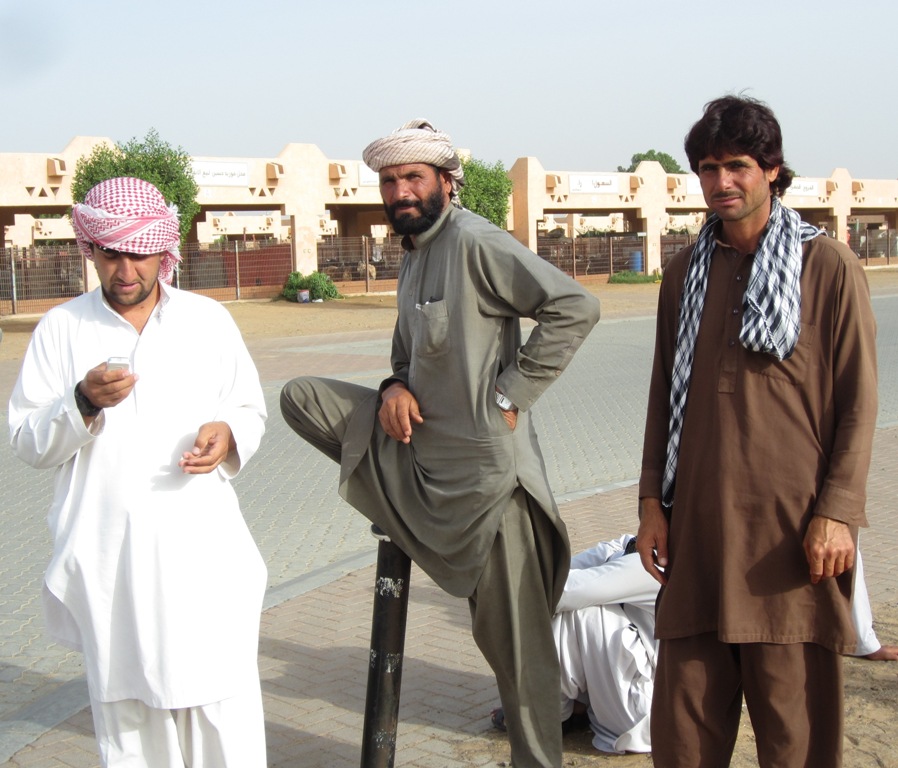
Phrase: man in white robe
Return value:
(868, 645)
(604, 630)
(154, 575)
(604, 633)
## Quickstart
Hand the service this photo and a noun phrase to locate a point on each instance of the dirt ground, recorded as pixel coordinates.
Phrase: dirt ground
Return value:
(871, 700)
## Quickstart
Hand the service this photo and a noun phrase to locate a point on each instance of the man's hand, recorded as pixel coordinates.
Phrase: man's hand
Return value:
(213, 443)
(106, 389)
(651, 539)
(829, 548)
(398, 410)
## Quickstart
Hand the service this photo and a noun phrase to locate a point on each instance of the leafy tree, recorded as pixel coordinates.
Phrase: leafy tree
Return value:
(667, 162)
(150, 159)
(486, 190)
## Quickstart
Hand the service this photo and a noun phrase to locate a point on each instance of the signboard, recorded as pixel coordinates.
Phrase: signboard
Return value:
(591, 185)
(216, 173)
(807, 187)
(367, 177)
(693, 185)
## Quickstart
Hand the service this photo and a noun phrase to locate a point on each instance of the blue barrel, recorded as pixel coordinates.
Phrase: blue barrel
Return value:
(636, 263)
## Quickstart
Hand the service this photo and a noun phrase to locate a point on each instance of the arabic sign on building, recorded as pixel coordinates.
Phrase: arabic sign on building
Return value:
(807, 187)
(591, 185)
(693, 185)
(215, 173)
(367, 177)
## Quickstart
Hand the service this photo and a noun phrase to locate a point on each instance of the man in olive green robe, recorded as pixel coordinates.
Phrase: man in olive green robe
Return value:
(444, 457)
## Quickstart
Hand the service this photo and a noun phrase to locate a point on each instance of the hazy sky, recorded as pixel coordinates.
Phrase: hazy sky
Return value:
(578, 85)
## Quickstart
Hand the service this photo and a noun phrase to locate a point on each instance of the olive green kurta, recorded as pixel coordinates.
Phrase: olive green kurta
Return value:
(765, 445)
(462, 290)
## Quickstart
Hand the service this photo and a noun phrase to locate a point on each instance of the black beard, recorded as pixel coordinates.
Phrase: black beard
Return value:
(429, 210)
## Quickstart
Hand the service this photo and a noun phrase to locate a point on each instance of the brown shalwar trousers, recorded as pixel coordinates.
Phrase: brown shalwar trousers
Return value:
(512, 605)
(793, 694)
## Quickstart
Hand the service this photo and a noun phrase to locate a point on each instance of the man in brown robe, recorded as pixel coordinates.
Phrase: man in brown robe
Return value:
(759, 430)
(443, 456)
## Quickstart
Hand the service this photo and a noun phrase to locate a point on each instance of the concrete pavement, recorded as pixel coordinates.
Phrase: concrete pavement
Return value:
(315, 630)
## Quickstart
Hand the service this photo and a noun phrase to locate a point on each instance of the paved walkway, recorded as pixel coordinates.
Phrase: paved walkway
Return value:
(315, 629)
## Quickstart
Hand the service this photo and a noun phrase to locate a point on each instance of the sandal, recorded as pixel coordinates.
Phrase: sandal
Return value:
(497, 718)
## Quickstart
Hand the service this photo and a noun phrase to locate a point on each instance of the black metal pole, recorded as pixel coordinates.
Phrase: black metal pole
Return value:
(385, 662)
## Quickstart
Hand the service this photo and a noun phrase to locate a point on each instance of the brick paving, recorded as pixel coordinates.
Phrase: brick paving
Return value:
(315, 629)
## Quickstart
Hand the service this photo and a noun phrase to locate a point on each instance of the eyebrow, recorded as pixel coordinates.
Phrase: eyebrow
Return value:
(711, 166)
(393, 176)
(108, 251)
(114, 254)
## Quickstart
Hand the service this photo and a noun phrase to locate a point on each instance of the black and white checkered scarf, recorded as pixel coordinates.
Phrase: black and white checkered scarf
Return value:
(771, 312)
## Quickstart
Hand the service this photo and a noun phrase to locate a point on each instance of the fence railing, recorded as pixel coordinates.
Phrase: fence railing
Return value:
(590, 256)
(34, 279)
(237, 270)
(875, 246)
(361, 264)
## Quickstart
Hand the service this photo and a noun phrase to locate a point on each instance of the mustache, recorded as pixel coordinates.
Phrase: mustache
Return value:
(394, 207)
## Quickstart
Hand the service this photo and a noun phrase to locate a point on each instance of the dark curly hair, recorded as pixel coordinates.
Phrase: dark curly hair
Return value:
(739, 125)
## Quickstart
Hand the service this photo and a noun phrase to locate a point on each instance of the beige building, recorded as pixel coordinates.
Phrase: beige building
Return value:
(301, 196)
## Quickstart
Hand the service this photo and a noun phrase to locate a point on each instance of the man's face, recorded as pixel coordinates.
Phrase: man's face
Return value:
(737, 189)
(127, 279)
(414, 196)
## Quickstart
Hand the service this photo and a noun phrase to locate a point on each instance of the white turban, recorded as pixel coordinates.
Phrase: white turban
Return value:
(129, 215)
(416, 142)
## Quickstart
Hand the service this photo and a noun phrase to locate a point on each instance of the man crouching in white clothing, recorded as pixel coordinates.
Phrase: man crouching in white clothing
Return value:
(604, 630)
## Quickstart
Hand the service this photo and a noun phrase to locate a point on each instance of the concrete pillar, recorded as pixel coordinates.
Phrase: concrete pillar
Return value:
(528, 178)
(839, 221)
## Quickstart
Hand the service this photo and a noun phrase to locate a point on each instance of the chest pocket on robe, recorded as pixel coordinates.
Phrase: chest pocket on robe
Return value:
(431, 330)
(794, 369)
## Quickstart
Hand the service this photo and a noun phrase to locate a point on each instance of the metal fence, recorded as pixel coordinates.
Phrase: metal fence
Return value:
(875, 246)
(238, 270)
(361, 264)
(32, 280)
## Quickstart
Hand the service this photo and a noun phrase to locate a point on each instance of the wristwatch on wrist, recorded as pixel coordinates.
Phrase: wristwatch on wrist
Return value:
(85, 407)
(503, 402)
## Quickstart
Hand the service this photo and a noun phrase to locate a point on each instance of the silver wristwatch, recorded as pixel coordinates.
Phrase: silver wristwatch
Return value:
(503, 402)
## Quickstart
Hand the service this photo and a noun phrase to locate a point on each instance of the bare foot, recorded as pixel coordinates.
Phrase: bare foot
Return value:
(885, 653)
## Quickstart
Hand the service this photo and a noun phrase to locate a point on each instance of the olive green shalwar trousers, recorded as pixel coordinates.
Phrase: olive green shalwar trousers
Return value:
(518, 587)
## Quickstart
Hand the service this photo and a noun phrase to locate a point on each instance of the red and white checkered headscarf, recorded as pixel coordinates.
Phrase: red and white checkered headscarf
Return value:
(129, 215)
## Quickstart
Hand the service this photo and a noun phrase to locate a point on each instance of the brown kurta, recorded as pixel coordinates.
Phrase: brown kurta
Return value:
(765, 445)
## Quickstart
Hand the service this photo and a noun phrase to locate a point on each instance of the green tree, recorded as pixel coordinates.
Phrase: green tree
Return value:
(150, 159)
(667, 162)
(486, 190)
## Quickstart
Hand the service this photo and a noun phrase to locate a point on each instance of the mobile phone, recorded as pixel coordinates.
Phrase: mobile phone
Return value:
(118, 364)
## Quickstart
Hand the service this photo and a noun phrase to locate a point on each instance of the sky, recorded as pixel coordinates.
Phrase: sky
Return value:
(581, 86)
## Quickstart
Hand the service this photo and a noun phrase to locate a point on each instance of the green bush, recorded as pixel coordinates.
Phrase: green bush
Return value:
(628, 276)
(319, 286)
